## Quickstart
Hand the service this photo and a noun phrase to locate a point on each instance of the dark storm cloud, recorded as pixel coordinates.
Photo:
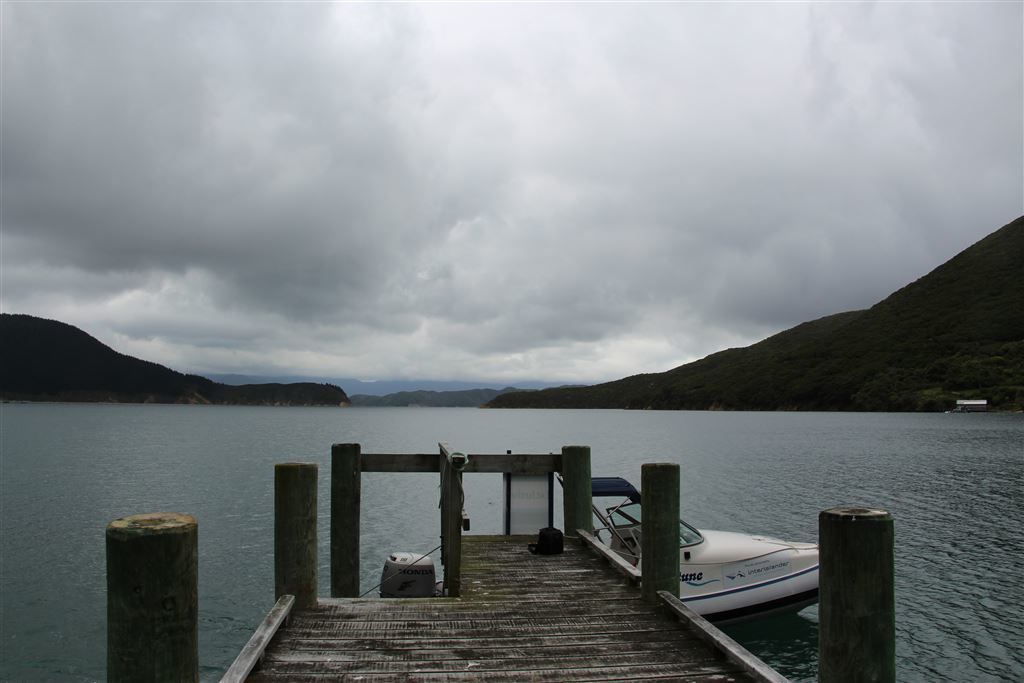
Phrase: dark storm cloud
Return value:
(570, 191)
(140, 140)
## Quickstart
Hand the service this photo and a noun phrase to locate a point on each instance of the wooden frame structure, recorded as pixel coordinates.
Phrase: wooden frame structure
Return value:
(348, 462)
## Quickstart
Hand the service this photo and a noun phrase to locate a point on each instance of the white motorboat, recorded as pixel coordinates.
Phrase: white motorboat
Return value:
(723, 575)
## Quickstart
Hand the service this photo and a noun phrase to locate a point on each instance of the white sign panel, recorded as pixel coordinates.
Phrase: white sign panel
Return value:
(528, 501)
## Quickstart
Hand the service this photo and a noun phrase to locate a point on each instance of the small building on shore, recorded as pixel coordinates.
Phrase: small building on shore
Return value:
(971, 405)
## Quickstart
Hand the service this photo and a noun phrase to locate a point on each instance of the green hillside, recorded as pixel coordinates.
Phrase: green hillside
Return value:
(47, 360)
(956, 333)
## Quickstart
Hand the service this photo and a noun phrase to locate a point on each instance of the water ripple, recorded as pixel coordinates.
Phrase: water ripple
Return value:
(954, 484)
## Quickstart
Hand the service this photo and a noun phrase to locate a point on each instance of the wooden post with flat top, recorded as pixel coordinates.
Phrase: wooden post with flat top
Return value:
(576, 491)
(346, 472)
(857, 612)
(152, 598)
(659, 544)
(295, 552)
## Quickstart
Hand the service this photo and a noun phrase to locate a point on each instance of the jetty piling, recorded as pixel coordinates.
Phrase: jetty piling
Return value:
(576, 496)
(295, 551)
(152, 598)
(857, 606)
(346, 490)
(659, 543)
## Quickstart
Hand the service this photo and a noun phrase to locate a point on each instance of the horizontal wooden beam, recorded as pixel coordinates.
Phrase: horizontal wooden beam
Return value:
(249, 658)
(400, 462)
(619, 564)
(519, 463)
(733, 651)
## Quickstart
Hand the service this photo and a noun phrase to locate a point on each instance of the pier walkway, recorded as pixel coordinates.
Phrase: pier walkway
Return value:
(567, 617)
(510, 615)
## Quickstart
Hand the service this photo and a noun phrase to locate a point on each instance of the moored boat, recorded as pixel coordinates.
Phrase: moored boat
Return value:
(723, 575)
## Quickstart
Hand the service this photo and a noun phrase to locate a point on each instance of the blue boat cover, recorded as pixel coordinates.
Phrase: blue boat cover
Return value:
(613, 486)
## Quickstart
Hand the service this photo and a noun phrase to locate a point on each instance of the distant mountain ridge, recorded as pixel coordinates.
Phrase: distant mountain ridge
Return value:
(363, 387)
(466, 398)
(47, 360)
(957, 332)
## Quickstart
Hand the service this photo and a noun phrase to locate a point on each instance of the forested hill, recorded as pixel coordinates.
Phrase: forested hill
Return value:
(46, 360)
(957, 332)
(465, 398)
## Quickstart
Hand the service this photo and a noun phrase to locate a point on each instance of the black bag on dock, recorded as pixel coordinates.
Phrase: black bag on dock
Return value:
(549, 542)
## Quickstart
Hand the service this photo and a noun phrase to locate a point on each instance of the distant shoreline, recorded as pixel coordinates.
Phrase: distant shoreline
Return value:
(15, 401)
(7, 401)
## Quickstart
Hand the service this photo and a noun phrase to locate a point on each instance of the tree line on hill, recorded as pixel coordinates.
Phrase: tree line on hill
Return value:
(956, 333)
(47, 360)
(464, 398)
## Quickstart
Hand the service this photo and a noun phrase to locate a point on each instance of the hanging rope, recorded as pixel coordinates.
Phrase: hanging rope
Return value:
(462, 493)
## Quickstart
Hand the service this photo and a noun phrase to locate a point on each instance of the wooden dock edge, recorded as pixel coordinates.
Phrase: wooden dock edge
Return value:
(736, 653)
(733, 651)
(249, 658)
(618, 564)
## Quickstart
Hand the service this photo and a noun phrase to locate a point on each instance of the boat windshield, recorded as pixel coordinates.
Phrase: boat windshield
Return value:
(628, 515)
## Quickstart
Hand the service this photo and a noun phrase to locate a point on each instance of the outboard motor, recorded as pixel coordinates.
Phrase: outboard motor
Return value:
(407, 576)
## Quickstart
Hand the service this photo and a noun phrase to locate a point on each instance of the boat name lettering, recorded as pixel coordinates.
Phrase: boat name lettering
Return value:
(771, 567)
(693, 576)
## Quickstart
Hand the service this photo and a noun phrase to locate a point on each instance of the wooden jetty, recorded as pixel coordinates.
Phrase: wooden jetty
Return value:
(567, 617)
(510, 614)
(580, 615)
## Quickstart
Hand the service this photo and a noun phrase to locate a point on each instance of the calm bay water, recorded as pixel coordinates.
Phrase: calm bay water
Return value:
(954, 483)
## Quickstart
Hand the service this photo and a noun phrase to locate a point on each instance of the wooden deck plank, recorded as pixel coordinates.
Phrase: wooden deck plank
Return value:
(566, 617)
(501, 652)
(388, 641)
(538, 676)
(591, 640)
(445, 628)
(474, 610)
(481, 665)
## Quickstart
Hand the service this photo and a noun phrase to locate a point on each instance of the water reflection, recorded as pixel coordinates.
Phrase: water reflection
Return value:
(783, 641)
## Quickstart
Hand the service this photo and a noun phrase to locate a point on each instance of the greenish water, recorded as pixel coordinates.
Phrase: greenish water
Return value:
(954, 484)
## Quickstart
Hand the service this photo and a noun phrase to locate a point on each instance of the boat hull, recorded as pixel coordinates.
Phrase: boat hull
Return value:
(779, 581)
(786, 594)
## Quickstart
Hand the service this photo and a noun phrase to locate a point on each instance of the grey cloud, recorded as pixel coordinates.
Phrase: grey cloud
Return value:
(219, 160)
(494, 186)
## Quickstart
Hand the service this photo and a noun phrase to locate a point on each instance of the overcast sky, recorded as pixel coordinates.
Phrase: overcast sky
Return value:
(563, 192)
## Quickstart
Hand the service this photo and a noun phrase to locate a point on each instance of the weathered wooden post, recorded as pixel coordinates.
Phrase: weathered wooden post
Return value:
(345, 494)
(442, 469)
(576, 491)
(659, 543)
(452, 501)
(857, 635)
(295, 563)
(152, 598)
